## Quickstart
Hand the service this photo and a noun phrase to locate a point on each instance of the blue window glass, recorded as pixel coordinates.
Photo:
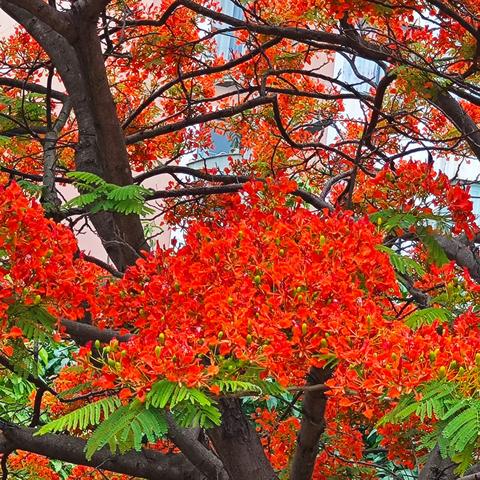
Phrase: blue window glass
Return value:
(227, 43)
(475, 196)
(221, 144)
(366, 68)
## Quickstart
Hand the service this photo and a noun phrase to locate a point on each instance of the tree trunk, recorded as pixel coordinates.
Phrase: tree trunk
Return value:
(438, 468)
(238, 446)
(312, 427)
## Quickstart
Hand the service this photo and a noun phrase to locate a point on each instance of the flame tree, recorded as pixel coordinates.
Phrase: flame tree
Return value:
(319, 318)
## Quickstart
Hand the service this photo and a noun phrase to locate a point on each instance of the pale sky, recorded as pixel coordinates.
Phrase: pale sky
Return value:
(7, 25)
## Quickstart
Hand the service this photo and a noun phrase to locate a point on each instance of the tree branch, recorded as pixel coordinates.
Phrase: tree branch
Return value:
(32, 87)
(312, 426)
(200, 456)
(238, 445)
(82, 333)
(57, 21)
(90, 9)
(190, 121)
(460, 118)
(147, 463)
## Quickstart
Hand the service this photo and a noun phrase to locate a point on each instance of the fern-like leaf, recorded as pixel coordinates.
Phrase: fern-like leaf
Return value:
(436, 253)
(127, 428)
(233, 386)
(86, 178)
(426, 316)
(36, 323)
(83, 417)
(401, 263)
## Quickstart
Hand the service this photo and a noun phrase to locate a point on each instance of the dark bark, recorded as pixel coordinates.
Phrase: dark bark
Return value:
(460, 118)
(437, 468)
(31, 87)
(187, 440)
(82, 333)
(44, 12)
(238, 445)
(461, 252)
(312, 427)
(111, 152)
(101, 148)
(148, 464)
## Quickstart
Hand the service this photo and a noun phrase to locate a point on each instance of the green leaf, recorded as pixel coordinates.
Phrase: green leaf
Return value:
(83, 417)
(426, 316)
(190, 406)
(86, 178)
(126, 429)
(233, 386)
(36, 323)
(160, 393)
(436, 253)
(401, 263)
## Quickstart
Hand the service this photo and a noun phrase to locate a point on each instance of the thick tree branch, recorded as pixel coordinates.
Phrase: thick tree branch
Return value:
(200, 456)
(57, 21)
(231, 184)
(149, 464)
(90, 9)
(437, 468)
(207, 117)
(82, 333)
(32, 87)
(460, 118)
(461, 252)
(238, 445)
(312, 427)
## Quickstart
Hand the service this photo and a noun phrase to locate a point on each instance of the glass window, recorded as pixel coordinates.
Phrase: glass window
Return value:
(365, 68)
(475, 196)
(227, 44)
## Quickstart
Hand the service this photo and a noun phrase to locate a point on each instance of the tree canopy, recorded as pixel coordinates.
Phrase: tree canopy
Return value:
(317, 315)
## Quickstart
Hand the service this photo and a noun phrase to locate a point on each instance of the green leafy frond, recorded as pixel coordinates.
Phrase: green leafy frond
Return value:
(31, 188)
(36, 323)
(128, 192)
(458, 419)
(402, 263)
(232, 386)
(99, 195)
(86, 178)
(165, 393)
(127, 428)
(190, 406)
(463, 427)
(83, 200)
(436, 254)
(190, 415)
(75, 390)
(426, 316)
(391, 219)
(82, 418)
(272, 388)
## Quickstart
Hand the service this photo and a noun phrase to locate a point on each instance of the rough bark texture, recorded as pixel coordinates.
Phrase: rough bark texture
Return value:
(238, 445)
(460, 118)
(148, 464)
(312, 427)
(101, 147)
(437, 468)
(461, 251)
(187, 440)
